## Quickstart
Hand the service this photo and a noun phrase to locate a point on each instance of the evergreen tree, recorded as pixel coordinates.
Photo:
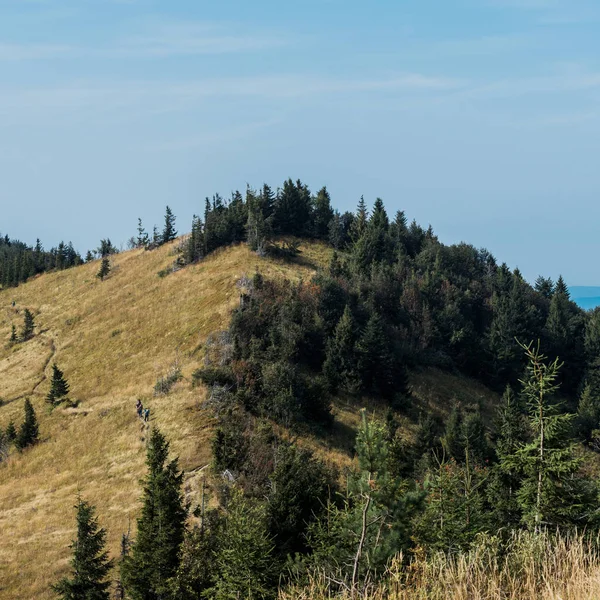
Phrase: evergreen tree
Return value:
(169, 233)
(106, 248)
(13, 334)
(452, 441)
(588, 412)
(104, 268)
(89, 257)
(544, 286)
(323, 213)
(28, 325)
(360, 222)
(142, 236)
(90, 565)
(11, 432)
(377, 366)
(244, 561)
(340, 366)
(154, 556)
(29, 431)
(505, 478)
(59, 388)
(552, 491)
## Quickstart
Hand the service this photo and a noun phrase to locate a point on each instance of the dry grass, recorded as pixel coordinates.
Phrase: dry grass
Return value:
(113, 339)
(534, 568)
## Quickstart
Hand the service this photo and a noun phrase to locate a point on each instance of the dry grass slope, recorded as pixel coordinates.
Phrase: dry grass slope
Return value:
(113, 339)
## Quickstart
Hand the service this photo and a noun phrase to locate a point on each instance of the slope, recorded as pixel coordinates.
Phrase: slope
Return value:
(113, 339)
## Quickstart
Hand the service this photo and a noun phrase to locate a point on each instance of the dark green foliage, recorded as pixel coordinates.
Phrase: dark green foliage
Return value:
(322, 214)
(104, 269)
(169, 233)
(13, 334)
(18, 261)
(292, 211)
(28, 325)
(59, 388)
(29, 430)
(154, 557)
(588, 412)
(300, 486)
(142, 239)
(11, 432)
(90, 565)
(244, 561)
(341, 362)
(106, 248)
(552, 490)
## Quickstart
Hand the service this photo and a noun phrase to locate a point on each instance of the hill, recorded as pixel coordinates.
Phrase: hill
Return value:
(113, 339)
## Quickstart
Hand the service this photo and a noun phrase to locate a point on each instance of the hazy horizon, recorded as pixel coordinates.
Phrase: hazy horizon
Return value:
(479, 118)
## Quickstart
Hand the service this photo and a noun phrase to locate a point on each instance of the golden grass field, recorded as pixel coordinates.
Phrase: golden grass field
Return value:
(113, 339)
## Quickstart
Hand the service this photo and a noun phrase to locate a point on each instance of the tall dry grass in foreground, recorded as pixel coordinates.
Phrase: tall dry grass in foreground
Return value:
(532, 568)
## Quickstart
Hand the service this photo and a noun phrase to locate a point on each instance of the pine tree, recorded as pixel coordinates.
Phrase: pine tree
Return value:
(323, 213)
(552, 491)
(376, 362)
(360, 222)
(544, 286)
(59, 388)
(29, 431)
(142, 236)
(244, 561)
(340, 366)
(28, 325)
(90, 564)
(169, 233)
(104, 268)
(588, 412)
(154, 556)
(13, 334)
(11, 432)
(89, 257)
(452, 441)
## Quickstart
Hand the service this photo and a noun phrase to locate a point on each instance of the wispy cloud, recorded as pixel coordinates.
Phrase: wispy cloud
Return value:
(159, 41)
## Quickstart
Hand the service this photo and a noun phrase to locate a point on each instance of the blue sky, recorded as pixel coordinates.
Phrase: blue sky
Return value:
(481, 117)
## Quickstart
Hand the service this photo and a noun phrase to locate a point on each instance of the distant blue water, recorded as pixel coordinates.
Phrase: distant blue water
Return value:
(586, 296)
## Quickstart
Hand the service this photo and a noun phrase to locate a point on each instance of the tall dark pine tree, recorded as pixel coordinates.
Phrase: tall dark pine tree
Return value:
(28, 325)
(59, 388)
(323, 213)
(90, 564)
(104, 269)
(169, 233)
(29, 430)
(142, 237)
(154, 556)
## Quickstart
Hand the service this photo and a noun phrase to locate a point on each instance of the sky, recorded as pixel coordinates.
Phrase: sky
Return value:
(479, 117)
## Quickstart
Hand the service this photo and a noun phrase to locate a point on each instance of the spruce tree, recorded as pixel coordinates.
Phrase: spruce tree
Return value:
(13, 334)
(453, 441)
(323, 213)
(29, 431)
(154, 556)
(552, 492)
(169, 233)
(28, 325)
(59, 388)
(588, 412)
(89, 257)
(11, 432)
(104, 268)
(340, 366)
(244, 561)
(142, 236)
(90, 564)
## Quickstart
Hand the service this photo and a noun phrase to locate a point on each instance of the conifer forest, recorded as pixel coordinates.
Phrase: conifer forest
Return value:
(495, 495)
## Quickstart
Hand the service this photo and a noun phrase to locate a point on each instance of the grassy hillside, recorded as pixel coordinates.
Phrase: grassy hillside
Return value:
(113, 339)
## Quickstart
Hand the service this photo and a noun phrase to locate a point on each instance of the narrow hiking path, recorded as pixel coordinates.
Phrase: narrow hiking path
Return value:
(43, 376)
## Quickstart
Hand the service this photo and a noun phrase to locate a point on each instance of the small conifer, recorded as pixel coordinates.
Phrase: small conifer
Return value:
(11, 432)
(59, 388)
(90, 563)
(13, 334)
(29, 431)
(104, 268)
(28, 325)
